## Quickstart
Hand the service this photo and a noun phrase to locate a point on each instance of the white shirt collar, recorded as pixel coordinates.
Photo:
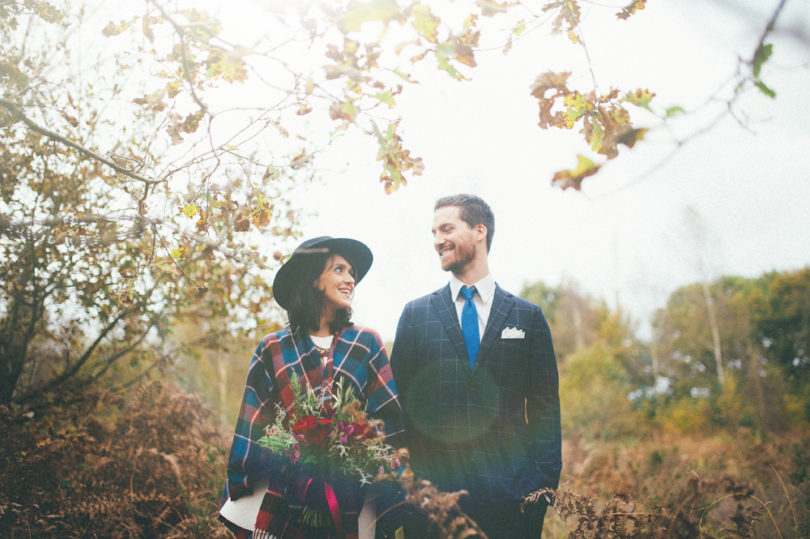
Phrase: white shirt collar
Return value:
(485, 287)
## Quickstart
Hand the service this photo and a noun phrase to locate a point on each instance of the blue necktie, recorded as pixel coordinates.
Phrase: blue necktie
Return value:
(469, 324)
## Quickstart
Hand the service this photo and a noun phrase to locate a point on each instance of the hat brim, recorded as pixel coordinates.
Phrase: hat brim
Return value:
(354, 251)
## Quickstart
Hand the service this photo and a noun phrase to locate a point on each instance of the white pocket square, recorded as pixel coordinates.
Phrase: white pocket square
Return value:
(513, 333)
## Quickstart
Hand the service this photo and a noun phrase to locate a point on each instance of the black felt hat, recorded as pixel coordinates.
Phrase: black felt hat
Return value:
(356, 252)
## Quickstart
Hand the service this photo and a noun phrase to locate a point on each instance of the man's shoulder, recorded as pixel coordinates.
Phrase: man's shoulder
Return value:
(425, 300)
(519, 301)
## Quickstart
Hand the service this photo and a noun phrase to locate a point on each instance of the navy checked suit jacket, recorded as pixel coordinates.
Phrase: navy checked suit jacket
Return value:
(493, 430)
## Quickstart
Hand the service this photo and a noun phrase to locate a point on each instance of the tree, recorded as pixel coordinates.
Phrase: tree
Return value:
(149, 151)
(781, 322)
(762, 326)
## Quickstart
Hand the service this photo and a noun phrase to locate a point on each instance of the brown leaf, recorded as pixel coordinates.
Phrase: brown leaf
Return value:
(631, 9)
(70, 119)
(550, 81)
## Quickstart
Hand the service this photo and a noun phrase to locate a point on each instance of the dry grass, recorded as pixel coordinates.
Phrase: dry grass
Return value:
(152, 466)
(100, 467)
(677, 486)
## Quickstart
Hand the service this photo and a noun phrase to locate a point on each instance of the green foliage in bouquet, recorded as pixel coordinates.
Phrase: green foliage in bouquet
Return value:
(330, 434)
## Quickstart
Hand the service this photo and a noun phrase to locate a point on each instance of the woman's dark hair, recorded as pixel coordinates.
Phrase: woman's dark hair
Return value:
(306, 302)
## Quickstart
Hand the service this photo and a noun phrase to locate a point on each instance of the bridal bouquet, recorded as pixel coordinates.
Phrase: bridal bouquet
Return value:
(331, 440)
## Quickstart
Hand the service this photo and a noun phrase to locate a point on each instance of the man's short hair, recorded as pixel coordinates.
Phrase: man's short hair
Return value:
(474, 211)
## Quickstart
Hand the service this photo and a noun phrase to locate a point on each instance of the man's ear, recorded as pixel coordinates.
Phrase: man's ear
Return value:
(480, 231)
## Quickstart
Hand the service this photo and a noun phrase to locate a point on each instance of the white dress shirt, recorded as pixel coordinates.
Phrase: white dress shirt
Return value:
(485, 292)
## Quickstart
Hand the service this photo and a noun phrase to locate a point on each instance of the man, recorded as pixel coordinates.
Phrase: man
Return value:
(478, 381)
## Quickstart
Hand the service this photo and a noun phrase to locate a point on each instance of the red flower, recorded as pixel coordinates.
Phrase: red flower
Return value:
(314, 430)
(362, 431)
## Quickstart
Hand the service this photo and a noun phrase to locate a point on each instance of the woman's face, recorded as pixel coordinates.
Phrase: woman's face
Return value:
(337, 283)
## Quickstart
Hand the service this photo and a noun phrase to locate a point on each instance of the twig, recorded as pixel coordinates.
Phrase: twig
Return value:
(186, 69)
(790, 501)
(20, 116)
(769, 27)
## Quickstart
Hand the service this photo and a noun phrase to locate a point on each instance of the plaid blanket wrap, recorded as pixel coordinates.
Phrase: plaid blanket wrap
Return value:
(359, 358)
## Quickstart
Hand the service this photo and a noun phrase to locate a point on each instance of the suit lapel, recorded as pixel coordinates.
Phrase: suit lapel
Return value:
(502, 303)
(446, 311)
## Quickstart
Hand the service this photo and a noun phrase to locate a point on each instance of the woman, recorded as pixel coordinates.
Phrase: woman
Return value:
(320, 346)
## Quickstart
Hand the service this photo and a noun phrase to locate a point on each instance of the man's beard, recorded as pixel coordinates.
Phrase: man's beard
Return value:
(464, 257)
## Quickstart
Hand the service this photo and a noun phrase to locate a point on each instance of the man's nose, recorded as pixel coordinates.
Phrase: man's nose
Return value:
(437, 241)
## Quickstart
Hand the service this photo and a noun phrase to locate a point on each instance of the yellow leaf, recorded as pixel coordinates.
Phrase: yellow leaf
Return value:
(425, 22)
(372, 10)
(573, 178)
(640, 98)
(113, 29)
(385, 97)
(261, 217)
(190, 210)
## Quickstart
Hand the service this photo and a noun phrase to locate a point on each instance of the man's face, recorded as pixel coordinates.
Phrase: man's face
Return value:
(453, 239)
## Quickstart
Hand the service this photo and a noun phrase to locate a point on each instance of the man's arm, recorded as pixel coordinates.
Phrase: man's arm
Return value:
(543, 433)
(402, 355)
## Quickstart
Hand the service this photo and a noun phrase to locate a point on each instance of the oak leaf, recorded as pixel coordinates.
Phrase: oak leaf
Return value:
(573, 178)
(631, 9)
(425, 22)
(373, 10)
(543, 84)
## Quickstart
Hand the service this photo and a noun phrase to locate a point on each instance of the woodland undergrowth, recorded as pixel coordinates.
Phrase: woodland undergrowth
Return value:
(152, 465)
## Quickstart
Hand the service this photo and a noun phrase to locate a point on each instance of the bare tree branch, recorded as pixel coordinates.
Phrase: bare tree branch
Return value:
(21, 117)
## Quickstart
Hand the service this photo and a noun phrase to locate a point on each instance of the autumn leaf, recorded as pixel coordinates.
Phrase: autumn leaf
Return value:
(300, 160)
(343, 110)
(569, 14)
(261, 217)
(189, 210)
(227, 65)
(631, 9)
(202, 223)
(578, 106)
(595, 134)
(396, 160)
(11, 71)
(70, 119)
(172, 89)
(242, 224)
(385, 97)
(425, 22)
(191, 122)
(631, 136)
(448, 50)
(573, 178)
(491, 8)
(640, 98)
(113, 29)
(543, 84)
(373, 10)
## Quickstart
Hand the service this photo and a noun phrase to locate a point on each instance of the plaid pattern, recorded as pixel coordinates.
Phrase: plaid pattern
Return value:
(358, 357)
(493, 430)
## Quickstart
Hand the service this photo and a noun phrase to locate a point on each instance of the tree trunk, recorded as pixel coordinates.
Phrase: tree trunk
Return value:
(716, 348)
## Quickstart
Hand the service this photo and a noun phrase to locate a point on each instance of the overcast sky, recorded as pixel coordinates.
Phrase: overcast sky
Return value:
(622, 238)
